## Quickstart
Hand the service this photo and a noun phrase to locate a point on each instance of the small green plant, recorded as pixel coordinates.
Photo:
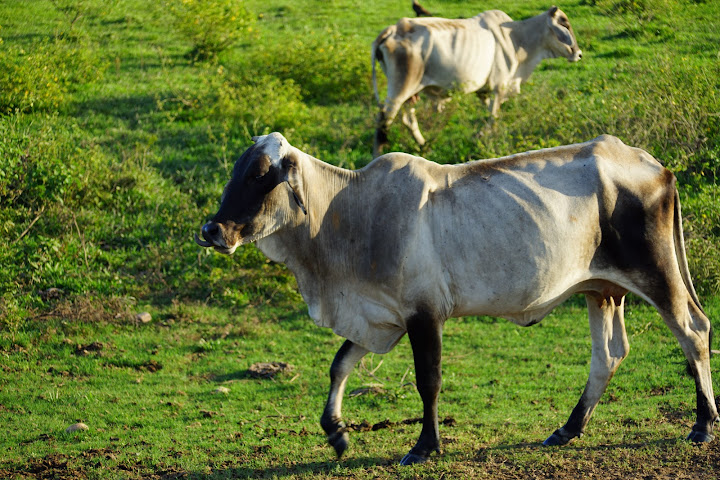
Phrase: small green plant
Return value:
(13, 317)
(211, 25)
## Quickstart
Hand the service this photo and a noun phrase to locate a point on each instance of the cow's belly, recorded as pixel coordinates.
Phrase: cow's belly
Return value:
(461, 64)
(522, 304)
(523, 260)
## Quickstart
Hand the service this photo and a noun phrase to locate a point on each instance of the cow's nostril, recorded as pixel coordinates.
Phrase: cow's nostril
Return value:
(210, 229)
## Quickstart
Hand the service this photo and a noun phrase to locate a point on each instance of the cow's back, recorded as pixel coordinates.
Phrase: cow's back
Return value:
(450, 53)
(538, 217)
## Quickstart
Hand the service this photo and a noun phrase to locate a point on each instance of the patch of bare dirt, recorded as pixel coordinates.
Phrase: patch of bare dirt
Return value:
(84, 350)
(86, 308)
(365, 426)
(150, 366)
(51, 467)
(268, 369)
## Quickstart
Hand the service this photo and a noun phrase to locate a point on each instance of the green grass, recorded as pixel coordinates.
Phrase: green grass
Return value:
(115, 144)
(148, 396)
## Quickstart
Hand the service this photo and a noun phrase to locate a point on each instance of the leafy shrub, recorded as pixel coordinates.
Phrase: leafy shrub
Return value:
(329, 67)
(211, 25)
(12, 315)
(252, 101)
(40, 78)
(641, 9)
(41, 165)
(702, 238)
(44, 176)
(263, 102)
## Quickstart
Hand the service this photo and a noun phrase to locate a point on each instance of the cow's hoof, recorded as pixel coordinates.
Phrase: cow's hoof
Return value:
(558, 438)
(412, 459)
(339, 441)
(700, 437)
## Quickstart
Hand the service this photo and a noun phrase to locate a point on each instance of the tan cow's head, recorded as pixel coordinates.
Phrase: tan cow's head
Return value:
(264, 193)
(562, 38)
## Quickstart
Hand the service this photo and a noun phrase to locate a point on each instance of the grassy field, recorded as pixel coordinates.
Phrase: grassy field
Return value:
(119, 124)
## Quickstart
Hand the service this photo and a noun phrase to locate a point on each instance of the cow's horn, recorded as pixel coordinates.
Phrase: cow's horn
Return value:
(202, 243)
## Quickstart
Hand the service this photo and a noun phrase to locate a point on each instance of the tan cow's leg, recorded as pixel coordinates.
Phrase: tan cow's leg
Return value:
(609, 348)
(331, 421)
(409, 119)
(693, 331)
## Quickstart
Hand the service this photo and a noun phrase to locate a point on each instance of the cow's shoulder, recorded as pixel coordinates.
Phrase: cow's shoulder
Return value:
(402, 170)
(395, 161)
(494, 17)
(612, 150)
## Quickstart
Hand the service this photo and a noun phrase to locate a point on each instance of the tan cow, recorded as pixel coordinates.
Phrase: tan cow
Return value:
(489, 54)
(404, 244)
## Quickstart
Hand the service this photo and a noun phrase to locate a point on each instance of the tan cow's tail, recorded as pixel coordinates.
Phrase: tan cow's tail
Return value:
(680, 254)
(376, 55)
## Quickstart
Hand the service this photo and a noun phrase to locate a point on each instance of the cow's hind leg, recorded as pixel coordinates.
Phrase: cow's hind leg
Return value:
(425, 333)
(609, 347)
(345, 360)
(693, 331)
(380, 140)
(409, 119)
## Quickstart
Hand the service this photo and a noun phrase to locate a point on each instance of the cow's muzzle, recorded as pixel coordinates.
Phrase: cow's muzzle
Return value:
(215, 235)
(210, 232)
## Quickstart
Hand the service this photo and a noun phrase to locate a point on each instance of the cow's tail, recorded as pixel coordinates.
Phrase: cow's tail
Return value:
(679, 242)
(376, 55)
(681, 256)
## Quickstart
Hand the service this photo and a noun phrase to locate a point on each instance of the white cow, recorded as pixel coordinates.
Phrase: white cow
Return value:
(488, 54)
(403, 244)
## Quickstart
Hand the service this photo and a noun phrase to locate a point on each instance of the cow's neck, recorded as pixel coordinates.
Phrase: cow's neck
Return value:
(324, 183)
(300, 241)
(528, 38)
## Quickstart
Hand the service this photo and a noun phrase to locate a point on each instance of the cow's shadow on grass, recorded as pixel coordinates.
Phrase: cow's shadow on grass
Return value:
(570, 450)
(495, 454)
(327, 467)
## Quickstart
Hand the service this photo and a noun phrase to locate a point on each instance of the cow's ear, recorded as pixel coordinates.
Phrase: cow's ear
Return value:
(553, 10)
(293, 176)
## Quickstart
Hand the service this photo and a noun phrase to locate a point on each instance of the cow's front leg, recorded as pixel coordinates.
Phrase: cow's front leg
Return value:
(425, 333)
(409, 119)
(345, 360)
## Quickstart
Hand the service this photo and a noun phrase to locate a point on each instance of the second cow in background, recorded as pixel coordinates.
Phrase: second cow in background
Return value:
(489, 54)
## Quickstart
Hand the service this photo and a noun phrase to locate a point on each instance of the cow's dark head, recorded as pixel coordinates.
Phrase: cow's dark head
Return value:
(562, 38)
(264, 194)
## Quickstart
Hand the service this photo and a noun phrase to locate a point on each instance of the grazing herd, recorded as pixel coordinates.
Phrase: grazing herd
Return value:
(403, 244)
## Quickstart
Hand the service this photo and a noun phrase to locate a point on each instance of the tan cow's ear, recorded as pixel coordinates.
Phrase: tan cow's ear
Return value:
(293, 176)
(553, 10)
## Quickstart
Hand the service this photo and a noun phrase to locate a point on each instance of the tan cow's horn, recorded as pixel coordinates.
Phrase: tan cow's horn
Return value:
(202, 243)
